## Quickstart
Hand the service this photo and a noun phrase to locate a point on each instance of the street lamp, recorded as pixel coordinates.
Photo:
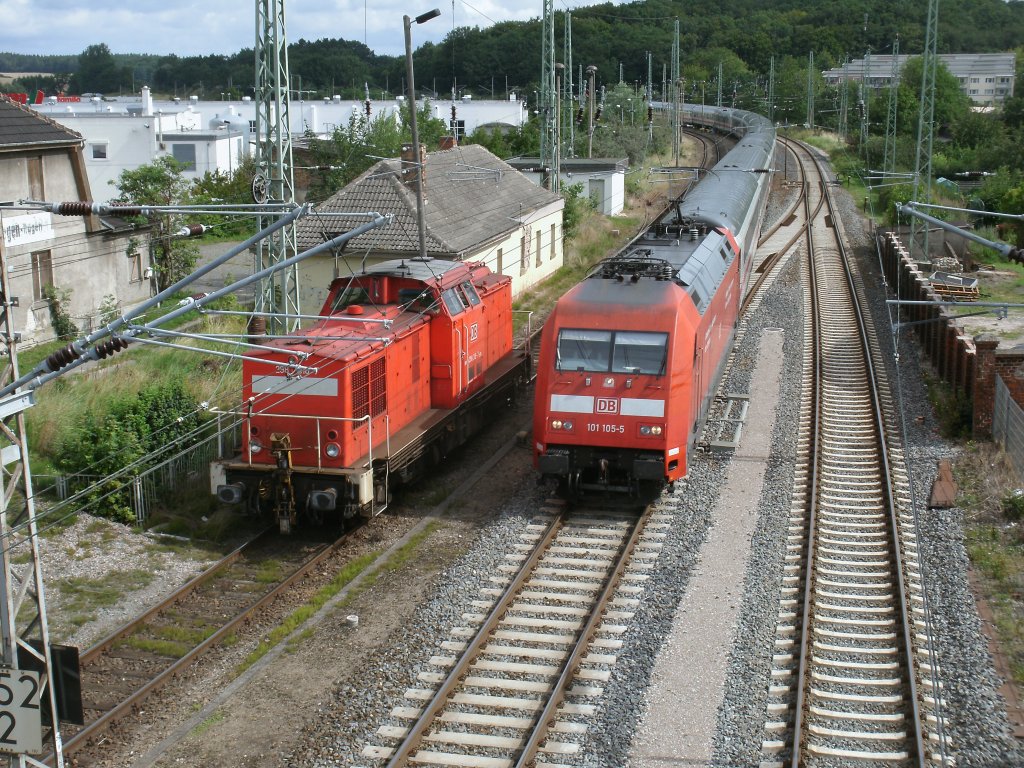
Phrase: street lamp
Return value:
(423, 17)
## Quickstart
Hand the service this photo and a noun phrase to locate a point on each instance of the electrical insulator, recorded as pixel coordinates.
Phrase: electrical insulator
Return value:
(579, 116)
(597, 115)
(650, 114)
(191, 230)
(367, 108)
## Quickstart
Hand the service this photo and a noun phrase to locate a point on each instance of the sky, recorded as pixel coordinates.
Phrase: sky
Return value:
(197, 27)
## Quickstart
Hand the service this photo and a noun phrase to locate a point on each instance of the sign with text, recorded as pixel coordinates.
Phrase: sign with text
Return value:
(21, 725)
(31, 228)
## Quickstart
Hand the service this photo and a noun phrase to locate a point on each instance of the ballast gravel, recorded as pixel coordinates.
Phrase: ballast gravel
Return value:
(975, 720)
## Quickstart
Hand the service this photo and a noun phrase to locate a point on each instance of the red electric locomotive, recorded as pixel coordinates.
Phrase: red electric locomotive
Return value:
(630, 357)
(400, 368)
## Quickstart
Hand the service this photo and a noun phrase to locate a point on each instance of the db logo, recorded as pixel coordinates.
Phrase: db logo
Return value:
(607, 405)
(474, 332)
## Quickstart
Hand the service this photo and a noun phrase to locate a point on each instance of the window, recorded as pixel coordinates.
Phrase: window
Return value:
(634, 352)
(552, 245)
(185, 154)
(501, 259)
(42, 273)
(135, 274)
(469, 294)
(347, 296)
(99, 151)
(581, 350)
(454, 302)
(640, 352)
(523, 262)
(35, 178)
(539, 252)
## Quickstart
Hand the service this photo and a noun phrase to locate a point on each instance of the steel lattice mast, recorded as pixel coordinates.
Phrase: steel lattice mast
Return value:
(278, 294)
(925, 118)
(844, 100)
(567, 86)
(889, 158)
(548, 95)
(810, 91)
(25, 634)
(866, 100)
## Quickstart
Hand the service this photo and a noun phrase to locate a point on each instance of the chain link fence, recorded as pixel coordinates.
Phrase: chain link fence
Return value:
(165, 472)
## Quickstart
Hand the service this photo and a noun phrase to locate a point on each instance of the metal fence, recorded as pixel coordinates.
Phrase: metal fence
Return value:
(165, 472)
(1008, 426)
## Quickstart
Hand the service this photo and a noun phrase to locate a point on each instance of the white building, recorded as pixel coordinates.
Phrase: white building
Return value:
(210, 136)
(986, 77)
(603, 178)
(87, 259)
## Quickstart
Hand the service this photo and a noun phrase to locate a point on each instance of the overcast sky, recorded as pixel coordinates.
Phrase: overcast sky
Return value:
(194, 27)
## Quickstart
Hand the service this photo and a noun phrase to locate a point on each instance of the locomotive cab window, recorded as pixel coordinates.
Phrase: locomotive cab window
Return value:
(469, 294)
(582, 350)
(635, 352)
(640, 352)
(455, 302)
(349, 295)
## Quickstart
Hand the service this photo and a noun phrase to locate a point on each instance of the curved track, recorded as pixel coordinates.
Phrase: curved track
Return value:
(530, 666)
(852, 678)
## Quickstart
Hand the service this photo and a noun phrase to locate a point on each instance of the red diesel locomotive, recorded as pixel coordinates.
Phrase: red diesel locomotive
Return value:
(399, 368)
(630, 357)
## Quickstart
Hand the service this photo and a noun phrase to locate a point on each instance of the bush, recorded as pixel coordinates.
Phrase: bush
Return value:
(134, 426)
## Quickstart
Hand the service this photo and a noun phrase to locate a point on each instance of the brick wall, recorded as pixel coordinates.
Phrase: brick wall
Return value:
(969, 365)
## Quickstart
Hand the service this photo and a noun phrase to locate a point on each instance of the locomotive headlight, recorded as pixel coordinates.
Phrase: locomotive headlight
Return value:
(645, 430)
(556, 424)
(255, 446)
(567, 425)
(332, 450)
(655, 431)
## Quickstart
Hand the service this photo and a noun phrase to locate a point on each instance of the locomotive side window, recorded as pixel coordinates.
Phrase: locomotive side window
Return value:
(640, 352)
(351, 294)
(583, 350)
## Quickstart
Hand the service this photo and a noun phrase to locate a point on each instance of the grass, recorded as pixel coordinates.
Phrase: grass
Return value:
(82, 596)
(208, 723)
(989, 490)
(399, 559)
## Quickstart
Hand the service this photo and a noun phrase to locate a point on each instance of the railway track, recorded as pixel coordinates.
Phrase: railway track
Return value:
(852, 678)
(121, 670)
(514, 685)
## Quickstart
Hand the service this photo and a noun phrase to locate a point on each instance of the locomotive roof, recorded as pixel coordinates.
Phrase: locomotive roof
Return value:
(414, 268)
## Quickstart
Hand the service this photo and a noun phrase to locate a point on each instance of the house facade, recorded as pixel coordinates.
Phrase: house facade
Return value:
(603, 178)
(90, 260)
(476, 208)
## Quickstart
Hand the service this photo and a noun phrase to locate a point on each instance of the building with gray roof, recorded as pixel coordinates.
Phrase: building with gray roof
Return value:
(476, 208)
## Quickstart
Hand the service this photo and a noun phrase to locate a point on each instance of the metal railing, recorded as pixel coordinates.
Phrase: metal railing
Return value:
(1008, 426)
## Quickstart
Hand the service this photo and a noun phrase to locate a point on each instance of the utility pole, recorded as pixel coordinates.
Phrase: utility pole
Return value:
(278, 294)
(718, 101)
(771, 89)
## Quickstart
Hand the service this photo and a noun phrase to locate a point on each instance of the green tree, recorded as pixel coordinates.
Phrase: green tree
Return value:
(219, 188)
(161, 183)
(99, 71)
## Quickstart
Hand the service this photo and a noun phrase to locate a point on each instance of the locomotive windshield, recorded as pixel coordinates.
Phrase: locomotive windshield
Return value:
(612, 351)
